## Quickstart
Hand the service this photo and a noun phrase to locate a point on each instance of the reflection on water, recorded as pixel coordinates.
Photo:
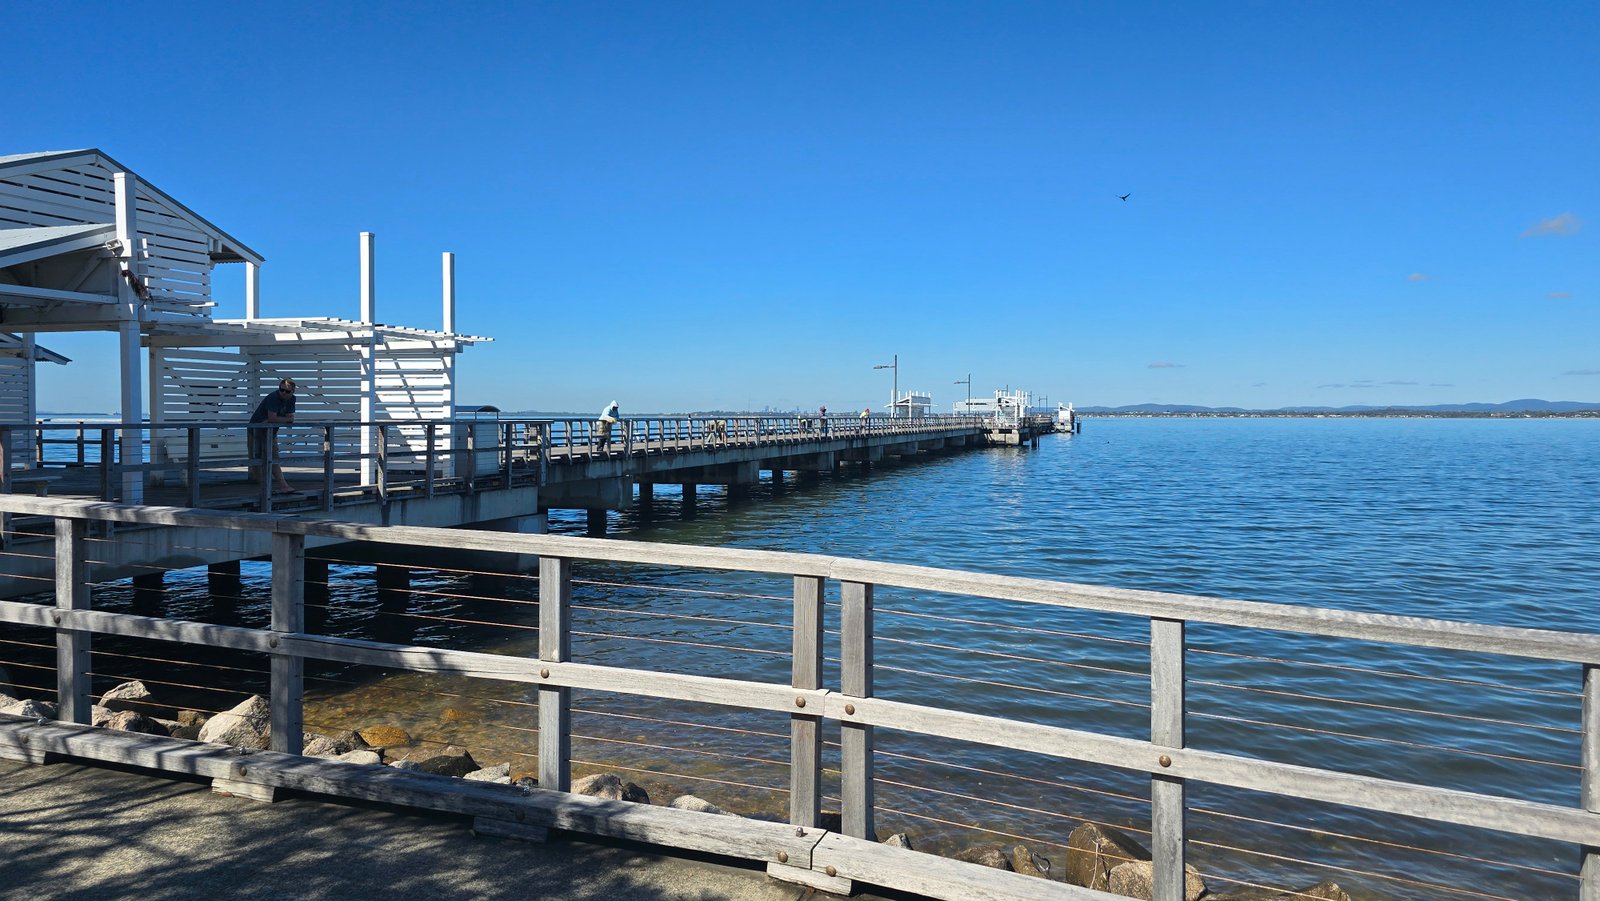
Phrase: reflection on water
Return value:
(1488, 521)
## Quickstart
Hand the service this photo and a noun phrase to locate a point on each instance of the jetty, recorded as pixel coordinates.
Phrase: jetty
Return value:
(379, 434)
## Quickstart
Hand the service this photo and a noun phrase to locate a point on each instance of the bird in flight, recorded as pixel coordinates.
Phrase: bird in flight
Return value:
(1124, 197)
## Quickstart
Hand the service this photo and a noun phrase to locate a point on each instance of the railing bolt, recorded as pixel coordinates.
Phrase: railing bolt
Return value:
(544, 673)
(783, 857)
(850, 708)
(800, 831)
(799, 702)
(1164, 760)
(832, 871)
(272, 641)
(244, 770)
(56, 616)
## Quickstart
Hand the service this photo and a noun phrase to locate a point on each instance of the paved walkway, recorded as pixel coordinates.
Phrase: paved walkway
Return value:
(70, 831)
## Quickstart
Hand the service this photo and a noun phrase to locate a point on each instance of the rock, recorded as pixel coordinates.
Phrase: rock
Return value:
(315, 745)
(451, 715)
(133, 721)
(363, 755)
(32, 708)
(247, 725)
(452, 761)
(99, 716)
(1133, 880)
(695, 803)
(385, 737)
(611, 787)
(987, 855)
(7, 700)
(1027, 863)
(899, 840)
(1322, 891)
(192, 733)
(405, 765)
(1093, 850)
(193, 717)
(525, 781)
(127, 696)
(500, 774)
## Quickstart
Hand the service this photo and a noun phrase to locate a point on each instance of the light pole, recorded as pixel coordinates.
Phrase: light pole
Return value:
(894, 401)
(967, 410)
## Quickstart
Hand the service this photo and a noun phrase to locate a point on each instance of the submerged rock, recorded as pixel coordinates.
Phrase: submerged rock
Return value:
(1134, 879)
(385, 737)
(899, 840)
(247, 725)
(610, 787)
(317, 745)
(1322, 891)
(1093, 850)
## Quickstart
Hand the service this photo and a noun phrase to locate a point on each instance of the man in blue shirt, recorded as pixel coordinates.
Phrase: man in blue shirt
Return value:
(275, 408)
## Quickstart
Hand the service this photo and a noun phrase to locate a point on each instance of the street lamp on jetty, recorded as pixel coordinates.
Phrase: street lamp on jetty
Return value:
(967, 410)
(894, 402)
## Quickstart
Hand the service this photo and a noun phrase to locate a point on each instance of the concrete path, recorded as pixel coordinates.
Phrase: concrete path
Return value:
(70, 831)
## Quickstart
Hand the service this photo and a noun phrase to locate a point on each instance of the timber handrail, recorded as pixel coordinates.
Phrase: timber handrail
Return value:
(808, 702)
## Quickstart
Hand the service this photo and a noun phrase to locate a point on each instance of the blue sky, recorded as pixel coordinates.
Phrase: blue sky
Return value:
(694, 206)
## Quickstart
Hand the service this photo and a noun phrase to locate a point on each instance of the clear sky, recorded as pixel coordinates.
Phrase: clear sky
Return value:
(699, 205)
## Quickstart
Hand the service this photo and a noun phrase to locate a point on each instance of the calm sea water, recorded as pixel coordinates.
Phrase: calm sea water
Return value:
(1487, 521)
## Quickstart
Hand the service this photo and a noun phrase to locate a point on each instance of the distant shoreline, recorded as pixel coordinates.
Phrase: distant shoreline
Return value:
(1353, 414)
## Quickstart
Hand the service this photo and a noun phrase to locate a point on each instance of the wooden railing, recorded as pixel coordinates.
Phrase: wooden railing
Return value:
(384, 457)
(853, 854)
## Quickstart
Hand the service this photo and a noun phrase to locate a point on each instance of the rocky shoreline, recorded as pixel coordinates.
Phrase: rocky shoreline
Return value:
(1098, 856)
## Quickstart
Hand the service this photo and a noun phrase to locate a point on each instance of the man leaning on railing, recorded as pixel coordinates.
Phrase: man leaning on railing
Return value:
(274, 409)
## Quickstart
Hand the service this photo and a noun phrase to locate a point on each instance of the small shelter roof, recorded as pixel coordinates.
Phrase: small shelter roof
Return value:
(228, 248)
(242, 332)
(12, 344)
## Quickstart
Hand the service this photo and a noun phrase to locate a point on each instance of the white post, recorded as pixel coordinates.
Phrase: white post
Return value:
(128, 339)
(252, 291)
(369, 277)
(449, 293)
(369, 362)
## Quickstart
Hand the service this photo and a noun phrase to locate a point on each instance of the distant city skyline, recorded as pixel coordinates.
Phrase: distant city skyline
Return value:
(732, 206)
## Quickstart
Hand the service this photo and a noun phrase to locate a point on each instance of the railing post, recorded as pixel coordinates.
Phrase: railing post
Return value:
(288, 617)
(427, 475)
(383, 464)
(107, 458)
(805, 730)
(72, 647)
(269, 458)
(327, 466)
(1589, 873)
(505, 451)
(81, 456)
(855, 739)
(543, 430)
(193, 466)
(1167, 794)
(5, 482)
(470, 471)
(555, 646)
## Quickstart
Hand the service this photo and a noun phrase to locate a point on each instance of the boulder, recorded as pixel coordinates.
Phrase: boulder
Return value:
(1024, 861)
(32, 708)
(99, 716)
(385, 737)
(452, 761)
(500, 774)
(247, 725)
(1322, 891)
(193, 717)
(192, 733)
(133, 721)
(988, 856)
(7, 700)
(899, 840)
(127, 696)
(1093, 850)
(611, 787)
(695, 803)
(1134, 880)
(405, 764)
(452, 715)
(317, 745)
(364, 755)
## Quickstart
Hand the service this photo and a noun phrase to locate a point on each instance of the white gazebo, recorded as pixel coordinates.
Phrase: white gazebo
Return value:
(87, 245)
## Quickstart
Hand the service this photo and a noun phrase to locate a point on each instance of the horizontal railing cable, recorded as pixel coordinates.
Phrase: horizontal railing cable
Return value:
(624, 611)
(1110, 670)
(706, 592)
(634, 769)
(995, 684)
(1369, 874)
(1011, 627)
(1380, 672)
(681, 643)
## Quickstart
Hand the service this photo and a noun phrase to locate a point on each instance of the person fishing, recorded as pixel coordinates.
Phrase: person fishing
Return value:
(610, 416)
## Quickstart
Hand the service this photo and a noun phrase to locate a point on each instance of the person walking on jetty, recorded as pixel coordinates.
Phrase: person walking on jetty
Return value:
(602, 426)
(275, 409)
(865, 412)
(822, 419)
